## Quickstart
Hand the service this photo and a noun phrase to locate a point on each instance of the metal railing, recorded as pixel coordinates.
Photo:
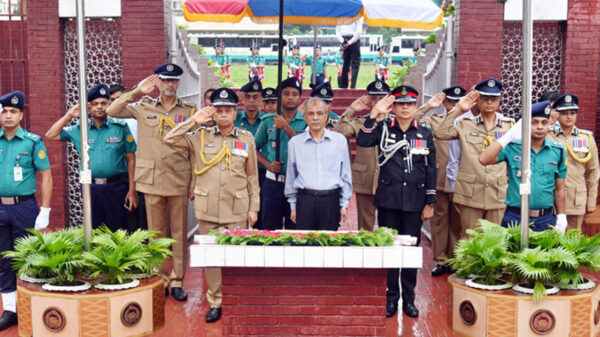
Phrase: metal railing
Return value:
(438, 74)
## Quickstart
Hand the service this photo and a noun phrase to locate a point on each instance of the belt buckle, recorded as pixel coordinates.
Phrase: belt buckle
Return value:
(100, 181)
(8, 200)
(534, 213)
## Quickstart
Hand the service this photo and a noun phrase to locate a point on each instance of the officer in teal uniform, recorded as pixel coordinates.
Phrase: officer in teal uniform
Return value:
(256, 64)
(276, 212)
(251, 98)
(22, 155)
(269, 96)
(548, 172)
(320, 68)
(112, 159)
(324, 92)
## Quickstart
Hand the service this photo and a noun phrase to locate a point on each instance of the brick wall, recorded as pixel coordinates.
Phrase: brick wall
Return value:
(303, 301)
(46, 92)
(479, 54)
(143, 39)
(580, 75)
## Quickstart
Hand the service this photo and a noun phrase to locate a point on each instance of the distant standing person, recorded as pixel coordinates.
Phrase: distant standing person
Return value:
(382, 65)
(319, 180)
(256, 64)
(318, 69)
(349, 36)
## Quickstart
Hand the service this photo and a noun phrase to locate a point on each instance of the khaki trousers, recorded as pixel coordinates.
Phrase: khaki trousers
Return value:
(213, 275)
(575, 221)
(157, 209)
(365, 205)
(445, 228)
(470, 215)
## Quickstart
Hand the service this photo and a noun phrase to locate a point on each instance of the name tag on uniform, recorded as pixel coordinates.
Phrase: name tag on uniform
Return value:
(419, 146)
(476, 134)
(239, 148)
(113, 140)
(390, 140)
(18, 173)
(151, 117)
(273, 144)
(271, 130)
(209, 145)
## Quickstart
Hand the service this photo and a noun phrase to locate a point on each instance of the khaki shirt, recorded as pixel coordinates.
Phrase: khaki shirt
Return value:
(365, 171)
(441, 148)
(582, 178)
(159, 169)
(477, 186)
(225, 193)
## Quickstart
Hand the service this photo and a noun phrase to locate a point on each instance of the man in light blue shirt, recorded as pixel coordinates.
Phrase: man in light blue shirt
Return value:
(319, 180)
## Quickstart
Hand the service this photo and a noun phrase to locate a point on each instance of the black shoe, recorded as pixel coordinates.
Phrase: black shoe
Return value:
(178, 293)
(166, 292)
(439, 269)
(450, 270)
(410, 310)
(8, 319)
(213, 315)
(391, 308)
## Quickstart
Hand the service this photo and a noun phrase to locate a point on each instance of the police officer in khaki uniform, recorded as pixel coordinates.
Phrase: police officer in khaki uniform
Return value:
(364, 168)
(162, 172)
(582, 159)
(445, 223)
(227, 192)
(480, 190)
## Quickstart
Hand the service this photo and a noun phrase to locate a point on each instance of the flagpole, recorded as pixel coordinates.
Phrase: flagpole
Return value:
(86, 173)
(279, 71)
(525, 188)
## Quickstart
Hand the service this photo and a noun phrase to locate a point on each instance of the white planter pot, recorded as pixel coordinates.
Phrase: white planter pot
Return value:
(313, 257)
(29, 279)
(525, 290)
(471, 283)
(254, 256)
(581, 286)
(81, 287)
(333, 257)
(134, 283)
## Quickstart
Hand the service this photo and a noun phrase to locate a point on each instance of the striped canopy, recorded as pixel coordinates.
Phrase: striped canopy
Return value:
(422, 14)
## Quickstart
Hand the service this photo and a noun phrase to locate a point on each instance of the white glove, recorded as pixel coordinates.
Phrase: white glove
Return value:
(561, 223)
(512, 135)
(43, 218)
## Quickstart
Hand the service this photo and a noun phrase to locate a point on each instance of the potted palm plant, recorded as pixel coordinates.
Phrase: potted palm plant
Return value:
(482, 257)
(113, 256)
(587, 253)
(57, 256)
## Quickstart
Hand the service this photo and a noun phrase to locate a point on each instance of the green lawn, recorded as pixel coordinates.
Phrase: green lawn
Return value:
(239, 75)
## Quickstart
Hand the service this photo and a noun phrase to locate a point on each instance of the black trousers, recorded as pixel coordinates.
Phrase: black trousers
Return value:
(261, 179)
(275, 209)
(406, 223)
(108, 205)
(318, 212)
(351, 61)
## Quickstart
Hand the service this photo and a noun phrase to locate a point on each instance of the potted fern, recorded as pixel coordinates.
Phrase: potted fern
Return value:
(57, 256)
(482, 257)
(587, 253)
(115, 258)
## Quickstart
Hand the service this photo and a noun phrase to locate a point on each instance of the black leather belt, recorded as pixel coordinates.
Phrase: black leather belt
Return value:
(533, 213)
(319, 193)
(15, 200)
(104, 181)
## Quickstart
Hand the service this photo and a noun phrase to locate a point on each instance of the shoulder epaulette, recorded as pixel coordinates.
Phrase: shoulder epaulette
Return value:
(586, 132)
(116, 121)
(557, 144)
(188, 104)
(32, 136)
(244, 132)
(266, 115)
(148, 99)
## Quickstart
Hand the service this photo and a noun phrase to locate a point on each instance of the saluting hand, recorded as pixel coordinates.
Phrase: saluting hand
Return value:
(148, 84)
(74, 112)
(361, 103)
(204, 115)
(435, 101)
(553, 116)
(468, 101)
(382, 108)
